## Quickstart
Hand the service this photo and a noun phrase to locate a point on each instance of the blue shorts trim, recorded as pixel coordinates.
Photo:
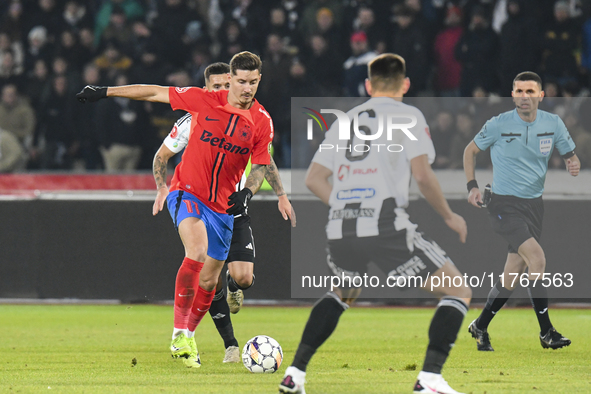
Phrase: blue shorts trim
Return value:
(219, 226)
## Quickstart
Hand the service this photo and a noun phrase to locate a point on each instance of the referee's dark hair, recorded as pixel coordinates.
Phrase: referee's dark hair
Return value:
(528, 76)
(245, 61)
(216, 69)
(387, 72)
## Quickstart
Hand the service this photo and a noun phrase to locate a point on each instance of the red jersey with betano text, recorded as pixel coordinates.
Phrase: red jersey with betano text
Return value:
(222, 140)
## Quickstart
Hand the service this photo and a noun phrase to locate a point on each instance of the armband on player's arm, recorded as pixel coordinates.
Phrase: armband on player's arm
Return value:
(471, 185)
(568, 155)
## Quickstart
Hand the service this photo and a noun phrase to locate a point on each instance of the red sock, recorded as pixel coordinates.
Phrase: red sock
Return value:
(200, 307)
(184, 291)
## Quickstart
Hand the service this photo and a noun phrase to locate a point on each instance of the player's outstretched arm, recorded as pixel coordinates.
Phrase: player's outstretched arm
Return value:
(285, 208)
(317, 181)
(474, 196)
(153, 93)
(159, 169)
(573, 165)
(430, 188)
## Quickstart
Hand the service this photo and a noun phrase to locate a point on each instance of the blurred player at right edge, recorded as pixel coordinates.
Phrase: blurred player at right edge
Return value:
(378, 229)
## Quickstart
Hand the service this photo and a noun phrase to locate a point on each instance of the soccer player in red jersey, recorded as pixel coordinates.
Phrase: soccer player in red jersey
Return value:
(240, 275)
(227, 128)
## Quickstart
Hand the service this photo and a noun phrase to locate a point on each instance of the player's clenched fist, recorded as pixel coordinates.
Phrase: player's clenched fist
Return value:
(92, 93)
(238, 201)
(573, 167)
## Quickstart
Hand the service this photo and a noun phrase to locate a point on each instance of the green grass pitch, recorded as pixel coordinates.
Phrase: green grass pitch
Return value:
(89, 349)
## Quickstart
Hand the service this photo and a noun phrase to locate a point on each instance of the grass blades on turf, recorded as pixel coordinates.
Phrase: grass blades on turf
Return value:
(91, 349)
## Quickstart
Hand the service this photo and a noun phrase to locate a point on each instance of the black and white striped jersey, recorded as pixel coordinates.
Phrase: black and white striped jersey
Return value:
(371, 177)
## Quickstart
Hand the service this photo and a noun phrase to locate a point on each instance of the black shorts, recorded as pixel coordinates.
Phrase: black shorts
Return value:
(516, 219)
(392, 254)
(242, 246)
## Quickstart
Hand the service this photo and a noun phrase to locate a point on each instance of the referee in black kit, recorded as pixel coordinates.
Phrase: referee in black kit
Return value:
(521, 143)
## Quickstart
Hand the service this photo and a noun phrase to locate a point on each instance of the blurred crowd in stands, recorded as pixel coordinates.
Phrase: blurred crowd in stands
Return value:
(50, 49)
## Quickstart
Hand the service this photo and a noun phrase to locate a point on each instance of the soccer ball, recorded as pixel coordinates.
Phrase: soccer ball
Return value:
(262, 354)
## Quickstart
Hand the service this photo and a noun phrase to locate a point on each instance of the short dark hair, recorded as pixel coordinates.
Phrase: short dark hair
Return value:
(245, 61)
(528, 76)
(387, 71)
(216, 69)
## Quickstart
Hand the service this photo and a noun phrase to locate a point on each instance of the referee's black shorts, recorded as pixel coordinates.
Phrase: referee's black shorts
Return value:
(516, 219)
(242, 246)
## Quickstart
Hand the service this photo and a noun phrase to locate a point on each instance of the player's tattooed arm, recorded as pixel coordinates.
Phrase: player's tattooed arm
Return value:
(255, 178)
(272, 176)
(284, 206)
(159, 170)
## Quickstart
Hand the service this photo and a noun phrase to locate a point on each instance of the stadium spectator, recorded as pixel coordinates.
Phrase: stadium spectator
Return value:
(47, 14)
(89, 154)
(120, 126)
(133, 10)
(442, 133)
(174, 16)
(13, 22)
(119, 30)
(149, 67)
(279, 25)
(38, 84)
(112, 61)
(409, 40)
(309, 16)
(376, 33)
(60, 67)
(300, 84)
(16, 47)
(38, 47)
(477, 52)
(447, 68)
(324, 67)
(86, 49)
(12, 154)
(76, 15)
(253, 19)
(142, 38)
(69, 49)
(200, 59)
(465, 131)
(232, 40)
(55, 137)
(17, 116)
(274, 89)
(518, 45)
(355, 67)
(327, 28)
(10, 72)
(560, 40)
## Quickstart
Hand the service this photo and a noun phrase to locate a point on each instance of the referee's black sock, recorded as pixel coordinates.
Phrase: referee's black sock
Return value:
(443, 332)
(322, 322)
(220, 313)
(233, 286)
(539, 300)
(497, 297)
